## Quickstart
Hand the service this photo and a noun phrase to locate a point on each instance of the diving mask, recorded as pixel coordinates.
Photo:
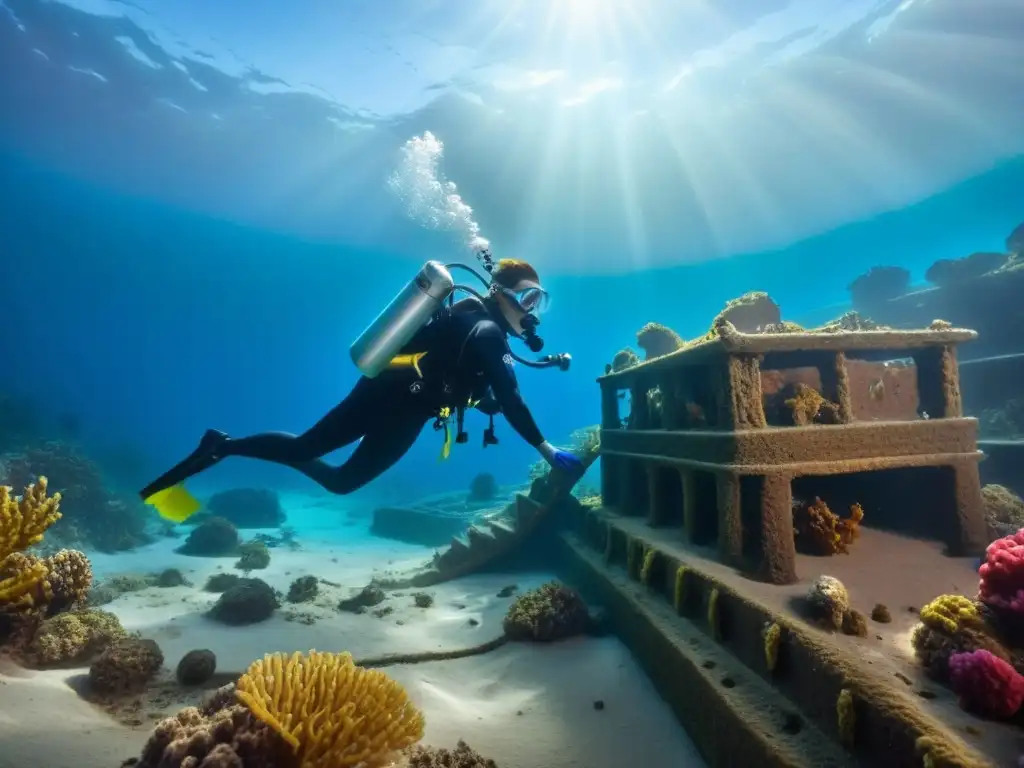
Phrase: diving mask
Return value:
(532, 299)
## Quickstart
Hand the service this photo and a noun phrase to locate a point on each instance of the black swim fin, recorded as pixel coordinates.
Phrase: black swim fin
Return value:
(203, 457)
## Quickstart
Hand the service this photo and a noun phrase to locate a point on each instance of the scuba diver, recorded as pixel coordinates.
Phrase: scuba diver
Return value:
(425, 357)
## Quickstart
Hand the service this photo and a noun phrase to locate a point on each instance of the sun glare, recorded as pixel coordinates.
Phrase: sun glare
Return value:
(582, 10)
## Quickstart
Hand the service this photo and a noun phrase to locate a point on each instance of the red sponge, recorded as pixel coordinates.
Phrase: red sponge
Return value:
(1002, 574)
(986, 684)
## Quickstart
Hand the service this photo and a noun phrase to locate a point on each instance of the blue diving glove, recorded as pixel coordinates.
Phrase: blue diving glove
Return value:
(567, 462)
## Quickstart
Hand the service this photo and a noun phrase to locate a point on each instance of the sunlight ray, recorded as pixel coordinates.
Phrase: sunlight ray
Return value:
(695, 177)
(721, 140)
(627, 182)
(511, 11)
(549, 168)
(826, 124)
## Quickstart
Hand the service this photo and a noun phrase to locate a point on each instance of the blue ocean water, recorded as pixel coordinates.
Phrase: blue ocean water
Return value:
(151, 323)
(196, 223)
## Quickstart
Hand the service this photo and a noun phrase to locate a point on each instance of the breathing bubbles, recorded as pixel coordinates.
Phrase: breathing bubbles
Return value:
(430, 199)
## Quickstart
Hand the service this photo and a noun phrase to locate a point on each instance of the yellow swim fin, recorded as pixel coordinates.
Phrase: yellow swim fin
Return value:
(408, 361)
(175, 503)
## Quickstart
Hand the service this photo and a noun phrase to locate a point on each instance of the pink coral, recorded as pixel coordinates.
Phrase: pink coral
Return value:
(1002, 574)
(986, 684)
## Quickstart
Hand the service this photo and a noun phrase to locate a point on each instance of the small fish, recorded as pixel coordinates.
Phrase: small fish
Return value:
(877, 390)
(695, 412)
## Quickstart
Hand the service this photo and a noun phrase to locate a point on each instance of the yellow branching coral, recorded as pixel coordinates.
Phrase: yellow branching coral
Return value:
(950, 613)
(22, 523)
(333, 713)
(809, 407)
(22, 583)
(772, 636)
(59, 581)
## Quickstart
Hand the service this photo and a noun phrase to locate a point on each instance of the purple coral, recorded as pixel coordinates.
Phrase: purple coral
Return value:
(986, 684)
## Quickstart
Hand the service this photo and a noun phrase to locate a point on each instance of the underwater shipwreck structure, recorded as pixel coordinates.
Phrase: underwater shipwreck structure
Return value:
(723, 434)
(693, 548)
(496, 537)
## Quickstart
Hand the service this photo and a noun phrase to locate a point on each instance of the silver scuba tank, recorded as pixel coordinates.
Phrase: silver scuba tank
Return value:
(409, 311)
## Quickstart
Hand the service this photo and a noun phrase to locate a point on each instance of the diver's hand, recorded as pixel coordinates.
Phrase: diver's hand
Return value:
(567, 462)
(563, 460)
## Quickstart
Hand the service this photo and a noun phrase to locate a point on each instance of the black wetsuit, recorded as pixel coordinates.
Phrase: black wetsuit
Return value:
(467, 355)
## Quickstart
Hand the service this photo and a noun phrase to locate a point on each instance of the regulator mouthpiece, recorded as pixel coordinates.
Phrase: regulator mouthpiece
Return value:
(533, 342)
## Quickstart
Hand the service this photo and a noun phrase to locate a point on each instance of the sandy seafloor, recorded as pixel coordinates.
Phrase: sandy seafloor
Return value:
(523, 705)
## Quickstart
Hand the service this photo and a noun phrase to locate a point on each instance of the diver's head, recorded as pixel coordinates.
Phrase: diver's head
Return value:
(516, 290)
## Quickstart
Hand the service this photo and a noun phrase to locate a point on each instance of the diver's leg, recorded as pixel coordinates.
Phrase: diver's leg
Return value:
(203, 457)
(344, 424)
(379, 450)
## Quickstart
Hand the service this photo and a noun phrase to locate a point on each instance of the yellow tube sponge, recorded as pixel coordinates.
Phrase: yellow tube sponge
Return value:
(648, 565)
(333, 713)
(847, 719)
(634, 557)
(950, 613)
(772, 636)
(22, 523)
(714, 620)
(679, 594)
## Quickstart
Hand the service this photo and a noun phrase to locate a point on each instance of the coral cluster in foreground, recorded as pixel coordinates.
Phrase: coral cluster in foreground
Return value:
(976, 646)
(24, 583)
(313, 710)
(461, 757)
(551, 612)
(38, 595)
